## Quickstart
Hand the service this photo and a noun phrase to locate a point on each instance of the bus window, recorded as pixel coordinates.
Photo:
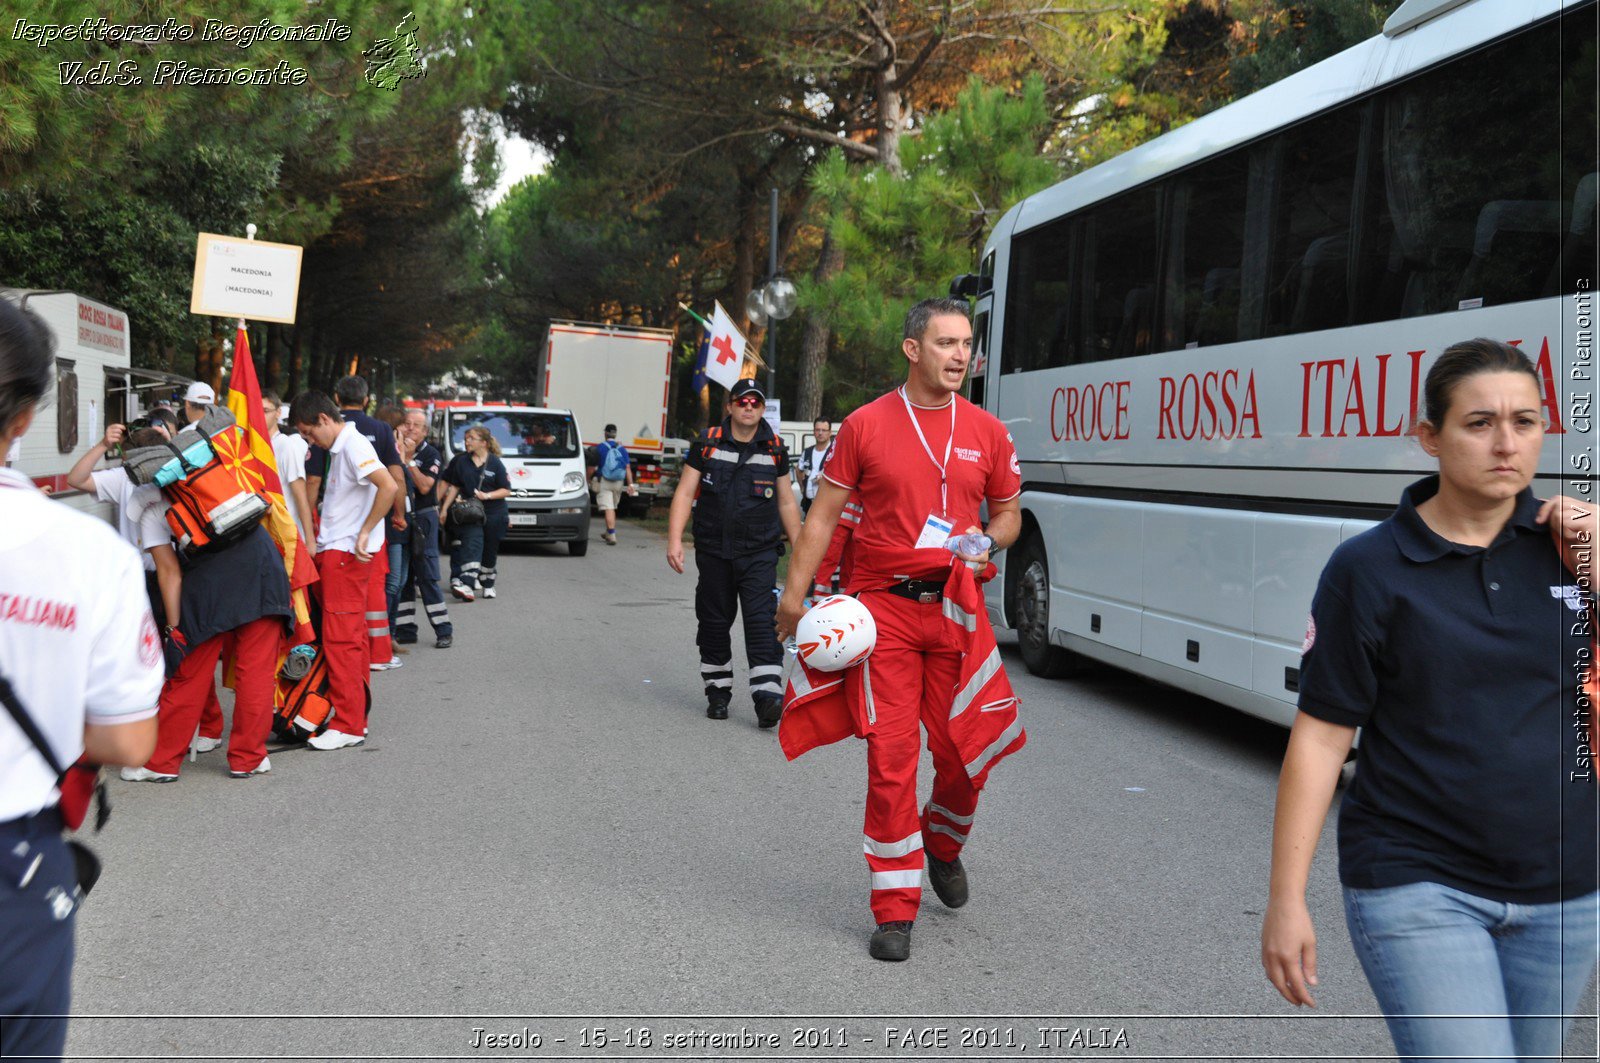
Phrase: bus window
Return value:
(1121, 238)
(1206, 249)
(1308, 287)
(980, 357)
(1474, 195)
(1039, 317)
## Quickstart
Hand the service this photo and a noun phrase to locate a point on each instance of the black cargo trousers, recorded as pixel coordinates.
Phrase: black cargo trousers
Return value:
(740, 584)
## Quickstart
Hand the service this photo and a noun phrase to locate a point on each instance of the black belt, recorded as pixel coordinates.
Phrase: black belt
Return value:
(925, 591)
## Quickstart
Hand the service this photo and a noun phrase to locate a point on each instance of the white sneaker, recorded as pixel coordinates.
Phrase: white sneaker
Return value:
(145, 775)
(329, 740)
(461, 591)
(381, 666)
(260, 769)
(488, 592)
(205, 745)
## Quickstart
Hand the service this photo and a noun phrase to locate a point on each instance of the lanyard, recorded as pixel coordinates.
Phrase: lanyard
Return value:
(944, 501)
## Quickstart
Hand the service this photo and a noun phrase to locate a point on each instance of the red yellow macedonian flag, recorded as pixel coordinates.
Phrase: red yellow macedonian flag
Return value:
(248, 453)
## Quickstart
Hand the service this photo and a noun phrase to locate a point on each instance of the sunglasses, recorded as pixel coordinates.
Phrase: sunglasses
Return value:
(750, 402)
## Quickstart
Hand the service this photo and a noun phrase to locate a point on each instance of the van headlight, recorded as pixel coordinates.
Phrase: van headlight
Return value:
(572, 481)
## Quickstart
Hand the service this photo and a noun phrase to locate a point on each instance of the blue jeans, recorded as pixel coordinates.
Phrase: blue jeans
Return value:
(1505, 974)
(399, 565)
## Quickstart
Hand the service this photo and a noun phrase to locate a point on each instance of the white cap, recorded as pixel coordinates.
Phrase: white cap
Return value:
(200, 394)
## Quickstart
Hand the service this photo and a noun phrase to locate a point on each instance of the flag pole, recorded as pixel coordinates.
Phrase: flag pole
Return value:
(685, 308)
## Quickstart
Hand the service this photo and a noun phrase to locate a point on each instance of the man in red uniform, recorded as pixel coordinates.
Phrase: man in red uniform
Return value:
(921, 460)
(359, 492)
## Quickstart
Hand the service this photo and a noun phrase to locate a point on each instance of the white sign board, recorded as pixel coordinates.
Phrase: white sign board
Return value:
(774, 413)
(245, 278)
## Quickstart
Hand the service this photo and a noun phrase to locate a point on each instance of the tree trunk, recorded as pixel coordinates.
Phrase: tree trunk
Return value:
(292, 385)
(814, 342)
(273, 368)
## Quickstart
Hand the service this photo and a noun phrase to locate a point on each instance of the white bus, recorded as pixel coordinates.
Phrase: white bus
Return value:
(1210, 349)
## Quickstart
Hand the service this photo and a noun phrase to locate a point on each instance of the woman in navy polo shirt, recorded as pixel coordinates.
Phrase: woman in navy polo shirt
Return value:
(1454, 637)
(477, 471)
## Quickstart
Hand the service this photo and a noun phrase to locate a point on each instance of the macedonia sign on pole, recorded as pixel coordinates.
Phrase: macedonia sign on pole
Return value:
(245, 278)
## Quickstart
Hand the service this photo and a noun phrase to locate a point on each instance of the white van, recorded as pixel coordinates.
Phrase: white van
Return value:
(543, 454)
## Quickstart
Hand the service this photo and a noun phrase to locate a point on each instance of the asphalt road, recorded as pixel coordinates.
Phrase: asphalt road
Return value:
(545, 837)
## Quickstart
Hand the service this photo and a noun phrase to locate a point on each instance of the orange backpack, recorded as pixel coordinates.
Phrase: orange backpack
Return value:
(210, 508)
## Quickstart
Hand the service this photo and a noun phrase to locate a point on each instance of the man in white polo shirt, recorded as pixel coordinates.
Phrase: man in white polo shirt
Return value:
(357, 494)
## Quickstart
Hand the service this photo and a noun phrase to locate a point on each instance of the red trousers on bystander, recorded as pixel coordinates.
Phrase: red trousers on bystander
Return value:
(345, 587)
(184, 696)
(380, 644)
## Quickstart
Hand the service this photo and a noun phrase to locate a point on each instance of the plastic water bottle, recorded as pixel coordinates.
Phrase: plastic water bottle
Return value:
(971, 544)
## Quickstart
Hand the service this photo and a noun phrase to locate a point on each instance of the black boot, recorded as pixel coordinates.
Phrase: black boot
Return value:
(891, 941)
(769, 709)
(717, 704)
(949, 880)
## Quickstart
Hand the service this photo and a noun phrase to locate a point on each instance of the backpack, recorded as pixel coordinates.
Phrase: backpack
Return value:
(209, 506)
(302, 708)
(614, 465)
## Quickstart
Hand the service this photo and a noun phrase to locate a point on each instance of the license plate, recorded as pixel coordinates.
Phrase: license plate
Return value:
(524, 518)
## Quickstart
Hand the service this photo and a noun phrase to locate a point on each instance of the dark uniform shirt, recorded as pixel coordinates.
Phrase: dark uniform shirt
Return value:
(468, 477)
(428, 460)
(1461, 665)
(736, 511)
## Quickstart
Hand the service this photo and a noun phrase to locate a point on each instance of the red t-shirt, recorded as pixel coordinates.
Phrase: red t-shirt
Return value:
(877, 455)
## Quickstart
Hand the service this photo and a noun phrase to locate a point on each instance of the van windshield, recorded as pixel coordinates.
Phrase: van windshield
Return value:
(520, 434)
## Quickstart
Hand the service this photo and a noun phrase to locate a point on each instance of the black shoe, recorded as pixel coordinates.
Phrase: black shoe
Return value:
(949, 880)
(405, 640)
(768, 711)
(717, 707)
(891, 941)
(443, 643)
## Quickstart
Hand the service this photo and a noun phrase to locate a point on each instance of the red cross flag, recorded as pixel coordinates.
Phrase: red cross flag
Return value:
(725, 353)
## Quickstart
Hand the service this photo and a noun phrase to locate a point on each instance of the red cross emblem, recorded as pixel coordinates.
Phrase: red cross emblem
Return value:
(723, 345)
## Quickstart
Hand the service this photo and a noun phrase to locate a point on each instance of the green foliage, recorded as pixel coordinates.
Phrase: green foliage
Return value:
(1284, 38)
(904, 239)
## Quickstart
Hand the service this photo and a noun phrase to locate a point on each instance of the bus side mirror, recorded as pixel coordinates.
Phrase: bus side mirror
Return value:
(971, 286)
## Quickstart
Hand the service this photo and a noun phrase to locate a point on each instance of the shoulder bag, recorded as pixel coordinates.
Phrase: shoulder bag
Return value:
(76, 783)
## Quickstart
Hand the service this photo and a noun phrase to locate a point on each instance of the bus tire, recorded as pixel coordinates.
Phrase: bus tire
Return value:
(1030, 609)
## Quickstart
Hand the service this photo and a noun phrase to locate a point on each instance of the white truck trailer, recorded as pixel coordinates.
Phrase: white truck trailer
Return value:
(92, 388)
(614, 374)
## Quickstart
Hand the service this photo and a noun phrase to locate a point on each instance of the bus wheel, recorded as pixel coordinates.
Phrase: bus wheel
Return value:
(1030, 607)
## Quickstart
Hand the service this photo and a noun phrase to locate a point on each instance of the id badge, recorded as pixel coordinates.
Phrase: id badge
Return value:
(935, 530)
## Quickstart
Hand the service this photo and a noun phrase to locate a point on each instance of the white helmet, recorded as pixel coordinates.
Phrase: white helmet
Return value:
(836, 633)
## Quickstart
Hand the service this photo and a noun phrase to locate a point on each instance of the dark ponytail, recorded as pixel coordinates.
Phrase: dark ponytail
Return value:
(27, 362)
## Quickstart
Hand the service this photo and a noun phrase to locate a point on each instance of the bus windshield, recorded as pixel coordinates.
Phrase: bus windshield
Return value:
(520, 433)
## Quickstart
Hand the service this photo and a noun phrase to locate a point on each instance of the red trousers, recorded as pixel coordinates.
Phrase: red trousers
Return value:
(912, 672)
(184, 697)
(380, 646)
(345, 586)
(211, 715)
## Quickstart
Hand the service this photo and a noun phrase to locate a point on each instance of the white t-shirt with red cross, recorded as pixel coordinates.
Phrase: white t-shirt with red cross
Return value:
(896, 476)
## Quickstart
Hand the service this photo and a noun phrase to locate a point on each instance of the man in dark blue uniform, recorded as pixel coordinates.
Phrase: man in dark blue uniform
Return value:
(736, 483)
(423, 463)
